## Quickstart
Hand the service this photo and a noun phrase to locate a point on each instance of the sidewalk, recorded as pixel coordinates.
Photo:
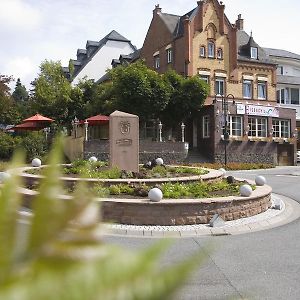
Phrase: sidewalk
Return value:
(267, 220)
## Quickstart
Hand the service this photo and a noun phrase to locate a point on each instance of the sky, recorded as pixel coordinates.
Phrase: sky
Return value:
(34, 30)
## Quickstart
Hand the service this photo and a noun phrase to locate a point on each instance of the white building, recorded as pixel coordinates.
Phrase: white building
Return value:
(92, 62)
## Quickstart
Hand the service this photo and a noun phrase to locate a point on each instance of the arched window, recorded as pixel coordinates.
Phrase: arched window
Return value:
(211, 49)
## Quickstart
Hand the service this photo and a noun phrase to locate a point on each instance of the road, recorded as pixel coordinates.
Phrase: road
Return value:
(260, 265)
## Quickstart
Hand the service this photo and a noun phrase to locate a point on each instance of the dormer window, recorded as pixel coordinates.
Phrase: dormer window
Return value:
(254, 53)
(211, 49)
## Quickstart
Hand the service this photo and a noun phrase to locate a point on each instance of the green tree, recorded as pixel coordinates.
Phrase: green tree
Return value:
(20, 93)
(9, 113)
(188, 96)
(139, 90)
(52, 93)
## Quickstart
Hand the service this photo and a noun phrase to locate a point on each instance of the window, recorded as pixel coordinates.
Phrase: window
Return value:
(281, 128)
(220, 53)
(202, 51)
(254, 53)
(294, 96)
(219, 86)
(205, 127)
(205, 78)
(169, 55)
(280, 70)
(235, 125)
(262, 90)
(282, 96)
(247, 89)
(211, 49)
(156, 62)
(257, 127)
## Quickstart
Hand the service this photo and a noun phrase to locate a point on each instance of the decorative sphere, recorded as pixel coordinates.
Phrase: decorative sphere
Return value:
(155, 195)
(4, 176)
(246, 190)
(159, 161)
(260, 180)
(36, 162)
(222, 170)
(93, 159)
(230, 179)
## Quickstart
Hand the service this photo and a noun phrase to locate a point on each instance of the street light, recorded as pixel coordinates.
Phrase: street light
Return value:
(86, 125)
(159, 131)
(75, 123)
(182, 131)
(225, 113)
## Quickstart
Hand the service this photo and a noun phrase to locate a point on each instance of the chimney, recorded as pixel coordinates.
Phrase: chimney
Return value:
(239, 23)
(222, 17)
(187, 45)
(199, 17)
(157, 10)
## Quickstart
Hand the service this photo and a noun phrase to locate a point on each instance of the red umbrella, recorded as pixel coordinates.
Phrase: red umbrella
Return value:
(38, 118)
(96, 120)
(28, 126)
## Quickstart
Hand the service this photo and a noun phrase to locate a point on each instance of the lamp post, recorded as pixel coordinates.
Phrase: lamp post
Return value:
(225, 113)
(159, 131)
(86, 125)
(47, 131)
(182, 131)
(75, 123)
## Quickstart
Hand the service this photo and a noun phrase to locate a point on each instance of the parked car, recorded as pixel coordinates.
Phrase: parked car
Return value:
(298, 156)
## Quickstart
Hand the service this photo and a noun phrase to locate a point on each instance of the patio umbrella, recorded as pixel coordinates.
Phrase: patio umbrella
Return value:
(96, 120)
(38, 118)
(28, 126)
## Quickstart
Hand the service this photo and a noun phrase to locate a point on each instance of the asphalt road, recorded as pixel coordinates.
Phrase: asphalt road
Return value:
(260, 265)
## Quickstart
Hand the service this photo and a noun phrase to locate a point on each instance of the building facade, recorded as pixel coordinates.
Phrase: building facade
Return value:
(288, 80)
(93, 61)
(241, 119)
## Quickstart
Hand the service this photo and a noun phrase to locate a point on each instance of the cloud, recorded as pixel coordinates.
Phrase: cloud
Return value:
(16, 14)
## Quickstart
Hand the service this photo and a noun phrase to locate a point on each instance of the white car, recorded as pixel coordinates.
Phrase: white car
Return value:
(298, 156)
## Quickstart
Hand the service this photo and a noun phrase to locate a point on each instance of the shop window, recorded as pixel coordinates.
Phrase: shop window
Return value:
(235, 125)
(247, 89)
(219, 86)
(281, 128)
(257, 127)
(262, 90)
(205, 127)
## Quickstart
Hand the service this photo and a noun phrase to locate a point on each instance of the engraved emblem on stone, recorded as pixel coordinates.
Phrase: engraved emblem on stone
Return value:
(124, 127)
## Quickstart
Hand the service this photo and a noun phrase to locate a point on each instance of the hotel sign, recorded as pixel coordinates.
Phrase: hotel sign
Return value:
(258, 110)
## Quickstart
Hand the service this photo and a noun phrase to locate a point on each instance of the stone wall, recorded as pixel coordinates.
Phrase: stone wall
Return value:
(184, 212)
(170, 152)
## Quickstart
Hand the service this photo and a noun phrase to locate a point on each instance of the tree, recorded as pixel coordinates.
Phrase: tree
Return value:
(52, 93)
(9, 113)
(187, 97)
(139, 90)
(20, 93)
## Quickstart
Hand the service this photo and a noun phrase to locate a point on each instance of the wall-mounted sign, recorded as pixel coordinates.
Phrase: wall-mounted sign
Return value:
(265, 111)
(240, 109)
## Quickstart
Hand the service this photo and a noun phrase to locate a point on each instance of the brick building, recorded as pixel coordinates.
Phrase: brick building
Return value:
(242, 79)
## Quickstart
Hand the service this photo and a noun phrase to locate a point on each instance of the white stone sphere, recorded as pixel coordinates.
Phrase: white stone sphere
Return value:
(93, 159)
(36, 162)
(159, 161)
(222, 170)
(246, 190)
(155, 195)
(4, 176)
(260, 180)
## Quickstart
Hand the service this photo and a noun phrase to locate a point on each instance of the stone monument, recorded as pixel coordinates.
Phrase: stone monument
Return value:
(124, 141)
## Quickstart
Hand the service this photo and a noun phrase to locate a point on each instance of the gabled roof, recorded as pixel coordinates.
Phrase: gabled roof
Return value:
(244, 43)
(281, 53)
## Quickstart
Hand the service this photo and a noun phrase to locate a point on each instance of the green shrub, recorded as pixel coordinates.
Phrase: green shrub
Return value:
(7, 145)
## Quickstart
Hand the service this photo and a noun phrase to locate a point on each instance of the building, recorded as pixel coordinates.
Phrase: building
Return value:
(93, 61)
(288, 80)
(241, 119)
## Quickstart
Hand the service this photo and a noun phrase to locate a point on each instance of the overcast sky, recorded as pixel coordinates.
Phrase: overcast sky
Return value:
(34, 30)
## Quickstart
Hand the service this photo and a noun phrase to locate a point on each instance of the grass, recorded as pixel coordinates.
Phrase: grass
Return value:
(234, 166)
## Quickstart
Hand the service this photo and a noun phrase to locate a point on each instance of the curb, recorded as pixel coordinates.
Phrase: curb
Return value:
(267, 220)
